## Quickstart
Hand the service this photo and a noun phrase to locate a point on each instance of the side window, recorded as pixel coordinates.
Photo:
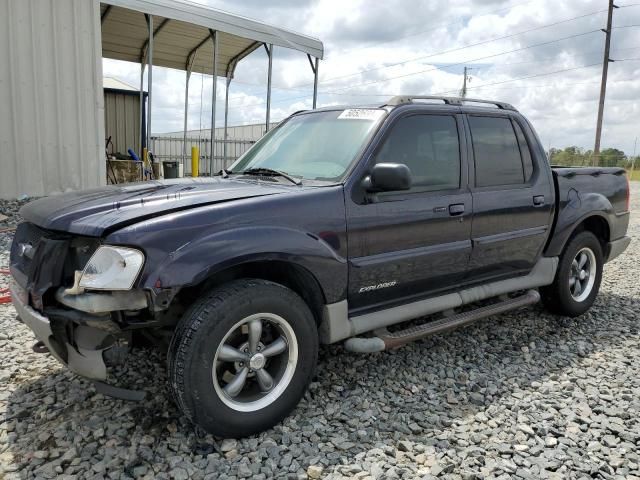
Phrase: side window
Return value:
(496, 152)
(429, 146)
(525, 151)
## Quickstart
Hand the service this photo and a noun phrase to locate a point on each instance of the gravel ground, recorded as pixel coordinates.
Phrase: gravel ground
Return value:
(521, 395)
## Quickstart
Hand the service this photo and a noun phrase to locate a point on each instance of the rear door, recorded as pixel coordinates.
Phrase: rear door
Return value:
(512, 198)
(416, 242)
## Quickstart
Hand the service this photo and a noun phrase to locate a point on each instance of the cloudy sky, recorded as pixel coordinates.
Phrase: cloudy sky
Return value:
(543, 56)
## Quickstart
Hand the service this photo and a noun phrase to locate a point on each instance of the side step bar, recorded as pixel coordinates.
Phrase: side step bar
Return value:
(384, 339)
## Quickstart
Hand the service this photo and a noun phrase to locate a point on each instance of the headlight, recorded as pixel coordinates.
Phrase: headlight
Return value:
(112, 268)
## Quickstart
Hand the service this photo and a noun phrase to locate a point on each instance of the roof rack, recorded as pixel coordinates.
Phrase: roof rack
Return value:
(404, 99)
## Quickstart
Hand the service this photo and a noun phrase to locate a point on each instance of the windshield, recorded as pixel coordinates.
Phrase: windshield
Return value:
(314, 146)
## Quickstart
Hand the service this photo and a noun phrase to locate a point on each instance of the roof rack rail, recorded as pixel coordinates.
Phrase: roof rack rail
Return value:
(403, 99)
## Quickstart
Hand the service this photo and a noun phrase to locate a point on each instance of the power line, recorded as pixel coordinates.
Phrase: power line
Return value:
(470, 60)
(476, 66)
(537, 75)
(525, 78)
(522, 87)
(484, 42)
(297, 87)
(393, 40)
(475, 86)
(500, 82)
(337, 91)
(488, 86)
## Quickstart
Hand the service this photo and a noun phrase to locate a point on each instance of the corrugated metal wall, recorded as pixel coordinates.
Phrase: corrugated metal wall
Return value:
(51, 98)
(170, 149)
(122, 120)
(240, 132)
(168, 146)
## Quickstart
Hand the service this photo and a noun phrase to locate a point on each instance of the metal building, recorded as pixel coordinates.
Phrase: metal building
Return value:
(51, 119)
(122, 123)
(52, 131)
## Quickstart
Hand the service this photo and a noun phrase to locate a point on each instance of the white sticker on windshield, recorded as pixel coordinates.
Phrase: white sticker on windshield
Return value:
(361, 114)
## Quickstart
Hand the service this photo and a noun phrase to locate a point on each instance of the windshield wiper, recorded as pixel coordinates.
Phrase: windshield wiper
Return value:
(224, 173)
(270, 172)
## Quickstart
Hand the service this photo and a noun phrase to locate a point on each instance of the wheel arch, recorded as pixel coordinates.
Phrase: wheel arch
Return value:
(595, 222)
(283, 272)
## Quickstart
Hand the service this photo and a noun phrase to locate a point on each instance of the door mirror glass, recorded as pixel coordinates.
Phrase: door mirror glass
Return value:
(388, 177)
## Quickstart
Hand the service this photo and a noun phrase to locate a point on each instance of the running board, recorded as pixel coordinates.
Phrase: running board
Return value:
(384, 340)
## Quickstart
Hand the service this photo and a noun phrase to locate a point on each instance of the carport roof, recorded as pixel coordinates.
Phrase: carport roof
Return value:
(181, 29)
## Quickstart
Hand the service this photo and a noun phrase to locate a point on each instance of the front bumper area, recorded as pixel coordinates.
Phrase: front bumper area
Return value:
(84, 358)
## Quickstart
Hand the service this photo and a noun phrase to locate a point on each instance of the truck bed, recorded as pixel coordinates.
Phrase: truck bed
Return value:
(583, 191)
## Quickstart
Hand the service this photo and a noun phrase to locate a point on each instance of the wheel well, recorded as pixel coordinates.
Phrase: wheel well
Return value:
(596, 225)
(290, 275)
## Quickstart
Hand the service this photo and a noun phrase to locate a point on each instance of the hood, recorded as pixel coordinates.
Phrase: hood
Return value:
(96, 211)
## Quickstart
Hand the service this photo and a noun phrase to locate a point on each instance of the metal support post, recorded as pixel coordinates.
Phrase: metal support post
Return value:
(186, 117)
(149, 78)
(143, 133)
(270, 54)
(315, 83)
(226, 118)
(214, 37)
(314, 69)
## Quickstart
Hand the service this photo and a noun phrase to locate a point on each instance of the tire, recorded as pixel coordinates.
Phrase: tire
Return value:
(569, 294)
(215, 330)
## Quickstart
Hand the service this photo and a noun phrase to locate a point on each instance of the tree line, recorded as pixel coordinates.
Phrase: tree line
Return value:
(576, 156)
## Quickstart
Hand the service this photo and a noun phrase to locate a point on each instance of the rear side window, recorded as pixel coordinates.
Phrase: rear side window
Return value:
(496, 152)
(527, 162)
(429, 146)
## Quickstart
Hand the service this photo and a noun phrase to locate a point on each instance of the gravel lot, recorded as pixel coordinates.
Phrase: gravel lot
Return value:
(521, 395)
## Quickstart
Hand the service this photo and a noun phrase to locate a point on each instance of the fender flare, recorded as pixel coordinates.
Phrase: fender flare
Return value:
(575, 212)
(199, 259)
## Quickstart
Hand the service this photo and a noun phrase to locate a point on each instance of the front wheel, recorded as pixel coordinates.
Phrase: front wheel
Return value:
(578, 277)
(242, 357)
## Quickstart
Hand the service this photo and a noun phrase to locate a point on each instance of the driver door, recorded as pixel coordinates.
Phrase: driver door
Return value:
(417, 242)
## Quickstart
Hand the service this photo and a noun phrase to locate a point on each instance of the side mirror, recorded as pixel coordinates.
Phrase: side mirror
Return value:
(388, 177)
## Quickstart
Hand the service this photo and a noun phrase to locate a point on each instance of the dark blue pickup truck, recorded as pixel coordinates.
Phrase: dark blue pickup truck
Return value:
(340, 225)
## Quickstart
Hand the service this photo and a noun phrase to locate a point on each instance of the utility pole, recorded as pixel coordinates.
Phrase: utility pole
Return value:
(603, 84)
(633, 158)
(463, 92)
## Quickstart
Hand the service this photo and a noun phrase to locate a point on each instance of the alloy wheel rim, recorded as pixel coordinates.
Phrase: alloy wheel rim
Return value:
(582, 275)
(255, 362)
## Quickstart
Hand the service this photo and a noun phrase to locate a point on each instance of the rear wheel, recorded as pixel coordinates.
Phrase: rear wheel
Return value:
(578, 277)
(242, 357)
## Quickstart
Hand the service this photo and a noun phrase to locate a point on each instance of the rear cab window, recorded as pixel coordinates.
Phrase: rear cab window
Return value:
(501, 154)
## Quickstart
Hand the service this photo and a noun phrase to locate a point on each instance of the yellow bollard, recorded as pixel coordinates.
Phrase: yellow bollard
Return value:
(195, 162)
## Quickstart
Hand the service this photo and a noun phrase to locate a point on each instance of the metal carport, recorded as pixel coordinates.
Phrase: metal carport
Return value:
(171, 33)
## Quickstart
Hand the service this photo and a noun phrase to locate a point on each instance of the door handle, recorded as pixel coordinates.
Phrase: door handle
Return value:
(456, 209)
(538, 200)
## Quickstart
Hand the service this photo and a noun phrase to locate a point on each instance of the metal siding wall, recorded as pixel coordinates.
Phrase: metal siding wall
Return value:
(52, 118)
(122, 121)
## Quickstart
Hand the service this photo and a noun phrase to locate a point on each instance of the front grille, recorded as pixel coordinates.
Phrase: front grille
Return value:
(25, 244)
(37, 257)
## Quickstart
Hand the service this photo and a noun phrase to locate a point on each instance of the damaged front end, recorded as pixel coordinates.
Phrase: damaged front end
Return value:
(78, 299)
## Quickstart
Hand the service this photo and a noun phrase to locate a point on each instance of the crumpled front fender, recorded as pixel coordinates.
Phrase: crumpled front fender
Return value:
(198, 260)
